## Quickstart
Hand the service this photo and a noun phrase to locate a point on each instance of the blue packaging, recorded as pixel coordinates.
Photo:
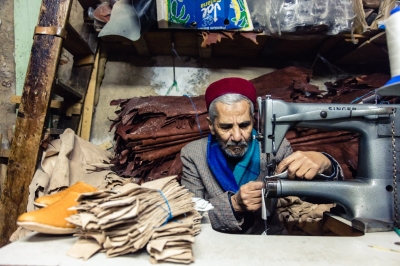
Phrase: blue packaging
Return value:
(210, 14)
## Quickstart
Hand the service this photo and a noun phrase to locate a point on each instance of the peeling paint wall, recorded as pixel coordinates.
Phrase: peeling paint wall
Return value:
(153, 77)
(7, 70)
(189, 77)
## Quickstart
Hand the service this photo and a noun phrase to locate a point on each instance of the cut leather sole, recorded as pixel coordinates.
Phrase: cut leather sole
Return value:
(79, 187)
(46, 229)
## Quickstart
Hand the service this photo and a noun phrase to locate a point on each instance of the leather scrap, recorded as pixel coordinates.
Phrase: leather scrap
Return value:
(52, 30)
(103, 12)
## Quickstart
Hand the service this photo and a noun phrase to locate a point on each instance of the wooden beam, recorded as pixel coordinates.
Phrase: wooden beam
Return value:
(339, 226)
(141, 47)
(24, 156)
(88, 3)
(205, 52)
(4, 153)
(83, 61)
(75, 108)
(88, 106)
(55, 104)
(66, 91)
(75, 44)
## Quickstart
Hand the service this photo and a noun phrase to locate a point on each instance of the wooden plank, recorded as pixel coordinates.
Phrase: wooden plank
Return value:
(185, 43)
(89, 34)
(75, 108)
(75, 44)
(24, 156)
(88, 3)
(88, 105)
(63, 90)
(141, 47)
(204, 52)
(84, 61)
(339, 226)
(159, 43)
(368, 53)
(5, 153)
(80, 77)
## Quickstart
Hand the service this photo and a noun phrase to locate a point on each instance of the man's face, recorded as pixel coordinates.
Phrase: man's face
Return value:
(232, 127)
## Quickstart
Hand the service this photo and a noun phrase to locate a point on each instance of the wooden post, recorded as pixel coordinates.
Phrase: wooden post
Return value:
(31, 116)
(88, 105)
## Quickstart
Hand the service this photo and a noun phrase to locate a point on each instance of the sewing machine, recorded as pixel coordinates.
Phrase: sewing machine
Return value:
(368, 200)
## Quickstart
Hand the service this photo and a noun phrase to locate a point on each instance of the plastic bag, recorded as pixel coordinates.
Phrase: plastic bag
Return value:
(279, 16)
(204, 15)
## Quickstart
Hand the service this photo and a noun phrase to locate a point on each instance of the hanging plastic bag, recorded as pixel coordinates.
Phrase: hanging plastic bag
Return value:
(204, 15)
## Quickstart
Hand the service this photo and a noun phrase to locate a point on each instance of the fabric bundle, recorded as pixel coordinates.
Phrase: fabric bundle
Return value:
(124, 221)
(150, 132)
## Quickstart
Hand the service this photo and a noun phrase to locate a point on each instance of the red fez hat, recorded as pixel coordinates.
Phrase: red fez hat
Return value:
(230, 85)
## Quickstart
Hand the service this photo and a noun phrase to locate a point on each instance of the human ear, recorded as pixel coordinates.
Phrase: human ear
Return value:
(211, 126)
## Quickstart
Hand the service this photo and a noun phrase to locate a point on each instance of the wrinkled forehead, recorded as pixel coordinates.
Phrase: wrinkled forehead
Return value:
(237, 112)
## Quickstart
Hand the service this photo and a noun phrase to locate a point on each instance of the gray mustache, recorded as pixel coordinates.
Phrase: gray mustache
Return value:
(234, 144)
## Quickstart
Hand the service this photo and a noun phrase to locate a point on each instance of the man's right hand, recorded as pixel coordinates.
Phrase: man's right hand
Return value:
(248, 198)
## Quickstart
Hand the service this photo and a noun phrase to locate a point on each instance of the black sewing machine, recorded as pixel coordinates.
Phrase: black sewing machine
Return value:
(368, 200)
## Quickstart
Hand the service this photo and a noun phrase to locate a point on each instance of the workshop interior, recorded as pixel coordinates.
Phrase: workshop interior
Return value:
(99, 97)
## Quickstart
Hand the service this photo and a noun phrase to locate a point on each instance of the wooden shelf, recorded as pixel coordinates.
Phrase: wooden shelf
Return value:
(75, 44)
(88, 3)
(64, 90)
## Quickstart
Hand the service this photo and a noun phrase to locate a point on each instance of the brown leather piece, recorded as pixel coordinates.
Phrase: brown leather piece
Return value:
(103, 12)
(150, 131)
(52, 30)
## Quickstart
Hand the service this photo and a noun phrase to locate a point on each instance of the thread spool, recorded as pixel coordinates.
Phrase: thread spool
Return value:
(392, 28)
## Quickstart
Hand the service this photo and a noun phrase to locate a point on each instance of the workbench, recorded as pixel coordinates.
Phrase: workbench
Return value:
(214, 248)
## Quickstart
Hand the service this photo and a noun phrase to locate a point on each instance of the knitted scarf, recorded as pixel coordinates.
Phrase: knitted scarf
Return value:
(246, 170)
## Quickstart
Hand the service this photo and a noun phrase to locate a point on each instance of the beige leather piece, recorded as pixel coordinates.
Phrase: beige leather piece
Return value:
(159, 212)
(80, 187)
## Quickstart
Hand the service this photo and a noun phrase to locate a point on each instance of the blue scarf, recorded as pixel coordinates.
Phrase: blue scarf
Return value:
(246, 170)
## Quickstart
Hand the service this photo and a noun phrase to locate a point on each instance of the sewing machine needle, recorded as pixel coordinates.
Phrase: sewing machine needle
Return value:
(264, 215)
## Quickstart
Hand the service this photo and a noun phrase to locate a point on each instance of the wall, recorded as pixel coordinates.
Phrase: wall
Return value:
(7, 69)
(149, 77)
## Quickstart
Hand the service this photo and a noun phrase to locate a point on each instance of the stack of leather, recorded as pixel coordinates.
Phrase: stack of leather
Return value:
(124, 221)
(150, 132)
(173, 242)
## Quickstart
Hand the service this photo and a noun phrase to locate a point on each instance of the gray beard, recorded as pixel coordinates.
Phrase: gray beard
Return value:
(243, 145)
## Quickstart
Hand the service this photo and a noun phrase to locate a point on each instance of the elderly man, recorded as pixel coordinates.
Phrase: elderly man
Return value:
(227, 167)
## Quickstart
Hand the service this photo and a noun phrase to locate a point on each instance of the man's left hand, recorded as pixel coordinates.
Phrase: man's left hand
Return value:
(305, 165)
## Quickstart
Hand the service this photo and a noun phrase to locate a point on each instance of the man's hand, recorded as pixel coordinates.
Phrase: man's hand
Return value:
(305, 165)
(248, 198)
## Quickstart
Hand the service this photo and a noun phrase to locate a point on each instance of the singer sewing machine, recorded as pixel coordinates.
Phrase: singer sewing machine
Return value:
(367, 201)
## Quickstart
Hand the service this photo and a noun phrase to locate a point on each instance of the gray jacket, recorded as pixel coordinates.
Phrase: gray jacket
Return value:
(199, 179)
